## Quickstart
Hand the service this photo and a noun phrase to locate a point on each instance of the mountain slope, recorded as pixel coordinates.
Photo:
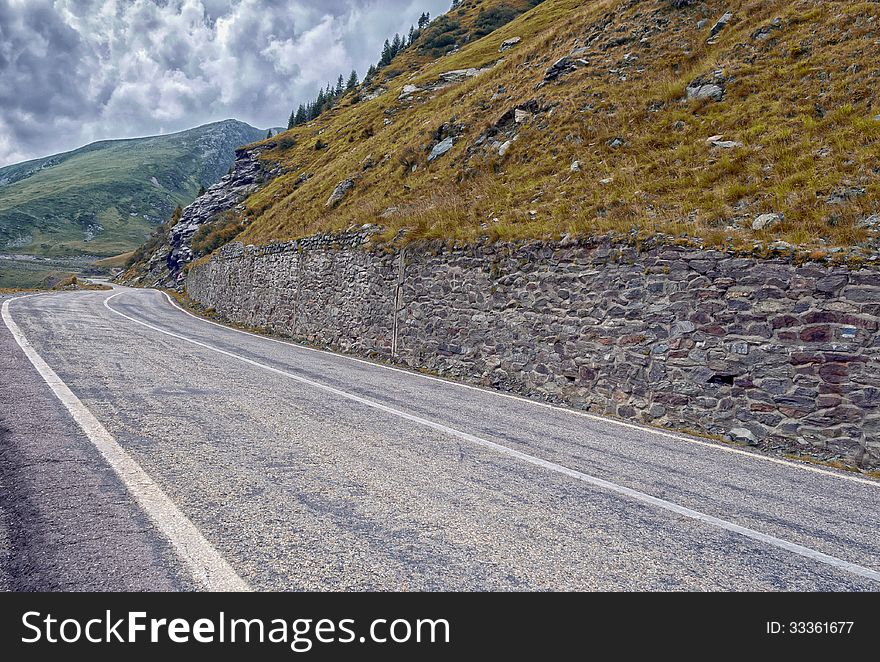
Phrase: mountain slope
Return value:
(746, 124)
(105, 198)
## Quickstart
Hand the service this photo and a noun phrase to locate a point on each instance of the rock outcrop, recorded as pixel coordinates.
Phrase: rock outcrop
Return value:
(248, 174)
(711, 86)
(562, 66)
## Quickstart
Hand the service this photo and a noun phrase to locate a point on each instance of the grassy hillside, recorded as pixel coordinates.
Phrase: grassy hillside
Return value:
(26, 272)
(105, 199)
(20, 278)
(611, 139)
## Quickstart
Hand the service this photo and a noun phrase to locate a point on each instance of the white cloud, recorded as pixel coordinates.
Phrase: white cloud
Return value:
(74, 71)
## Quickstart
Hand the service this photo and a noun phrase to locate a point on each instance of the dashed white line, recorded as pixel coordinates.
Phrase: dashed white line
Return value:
(208, 568)
(806, 552)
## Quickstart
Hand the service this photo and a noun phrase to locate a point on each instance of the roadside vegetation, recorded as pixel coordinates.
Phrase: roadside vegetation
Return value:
(212, 236)
(76, 283)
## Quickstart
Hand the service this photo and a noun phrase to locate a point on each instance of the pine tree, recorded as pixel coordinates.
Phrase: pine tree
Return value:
(385, 60)
(424, 20)
(328, 98)
(396, 45)
(412, 35)
(352, 81)
(340, 86)
(301, 116)
(290, 121)
(268, 134)
(202, 188)
(371, 73)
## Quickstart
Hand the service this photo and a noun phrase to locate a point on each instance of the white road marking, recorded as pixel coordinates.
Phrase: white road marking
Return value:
(568, 410)
(209, 569)
(806, 552)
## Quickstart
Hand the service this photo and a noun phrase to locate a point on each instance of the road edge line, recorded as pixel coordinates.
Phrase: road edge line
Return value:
(209, 569)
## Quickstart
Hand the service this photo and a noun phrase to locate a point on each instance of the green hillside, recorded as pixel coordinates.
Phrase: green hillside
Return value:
(106, 198)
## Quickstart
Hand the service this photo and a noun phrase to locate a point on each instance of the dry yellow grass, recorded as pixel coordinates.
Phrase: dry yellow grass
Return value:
(16, 290)
(117, 261)
(802, 103)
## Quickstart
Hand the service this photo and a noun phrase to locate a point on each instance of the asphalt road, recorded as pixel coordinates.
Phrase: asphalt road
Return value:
(308, 470)
(66, 521)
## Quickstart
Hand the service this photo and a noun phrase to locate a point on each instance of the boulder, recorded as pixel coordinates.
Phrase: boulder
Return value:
(718, 141)
(840, 196)
(508, 121)
(721, 23)
(742, 436)
(562, 66)
(764, 33)
(711, 91)
(441, 148)
(710, 85)
(767, 221)
(407, 91)
(458, 75)
(377, 92)
(521, 116)
(507, 44)
(340, 191)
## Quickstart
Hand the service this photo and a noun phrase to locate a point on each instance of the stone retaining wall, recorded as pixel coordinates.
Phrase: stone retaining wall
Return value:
(767, 352)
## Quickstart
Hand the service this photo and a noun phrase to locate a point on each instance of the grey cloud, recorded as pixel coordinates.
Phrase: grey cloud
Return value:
(74, 71)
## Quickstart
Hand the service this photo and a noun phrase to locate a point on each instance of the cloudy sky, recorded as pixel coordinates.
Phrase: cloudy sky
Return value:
(76, 71)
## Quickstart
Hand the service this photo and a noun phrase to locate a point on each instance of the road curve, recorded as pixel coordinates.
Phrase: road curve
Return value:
(305, 470)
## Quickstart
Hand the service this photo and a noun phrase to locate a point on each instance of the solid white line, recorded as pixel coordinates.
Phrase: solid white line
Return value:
(568, 410)
(210, 570)
(800, 550)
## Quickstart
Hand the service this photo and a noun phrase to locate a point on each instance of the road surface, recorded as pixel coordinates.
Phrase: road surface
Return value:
(167, 452)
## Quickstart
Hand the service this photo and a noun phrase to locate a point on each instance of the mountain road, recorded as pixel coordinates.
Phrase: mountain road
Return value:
(144, 448)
